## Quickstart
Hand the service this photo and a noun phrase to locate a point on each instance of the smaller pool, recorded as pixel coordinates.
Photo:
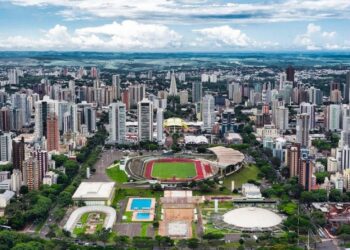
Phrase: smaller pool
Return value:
(141, 204)
(143, 216)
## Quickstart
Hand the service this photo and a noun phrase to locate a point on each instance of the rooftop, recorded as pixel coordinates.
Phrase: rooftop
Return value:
(227, 156)
(94, 190)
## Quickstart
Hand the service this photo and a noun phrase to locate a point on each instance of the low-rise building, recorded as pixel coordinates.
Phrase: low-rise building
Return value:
(251, 191)
(95, 193)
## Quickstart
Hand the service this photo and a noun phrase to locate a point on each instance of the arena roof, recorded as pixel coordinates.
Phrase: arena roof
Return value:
(175, 122)
(227, 156)
(252, 217)
(111, 216)
(94, 191)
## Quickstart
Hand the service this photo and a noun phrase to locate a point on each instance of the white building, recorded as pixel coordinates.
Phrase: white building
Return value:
(145, 120)
(282, 119)
(5, 148)
(250, 191)
(333, 117)
(16, 180)
(302, 128)
(5, 199)
(95, 193)
(160, 128)
(332, 164)
(183, 97)
(117, 122)
(208, 112)
(309, 109)
(50, 178)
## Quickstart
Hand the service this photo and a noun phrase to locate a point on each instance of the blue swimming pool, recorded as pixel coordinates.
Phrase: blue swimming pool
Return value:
(141, 204)
(143, 216)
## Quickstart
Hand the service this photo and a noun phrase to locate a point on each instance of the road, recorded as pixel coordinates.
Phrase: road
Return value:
(107, 157)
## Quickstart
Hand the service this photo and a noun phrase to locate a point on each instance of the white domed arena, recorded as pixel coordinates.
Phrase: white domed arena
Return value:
(251, 218)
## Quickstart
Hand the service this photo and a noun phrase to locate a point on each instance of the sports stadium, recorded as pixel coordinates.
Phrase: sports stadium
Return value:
(184, 168)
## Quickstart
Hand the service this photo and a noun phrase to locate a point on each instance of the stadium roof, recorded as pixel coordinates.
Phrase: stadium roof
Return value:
(94, 190)
(252, 217)
(175, 122)
(227, 156)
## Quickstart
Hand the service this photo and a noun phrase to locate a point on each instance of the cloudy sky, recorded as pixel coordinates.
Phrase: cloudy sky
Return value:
(175, 25)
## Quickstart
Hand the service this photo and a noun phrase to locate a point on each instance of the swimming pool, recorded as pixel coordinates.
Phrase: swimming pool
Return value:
(141, 204)
(143, 216)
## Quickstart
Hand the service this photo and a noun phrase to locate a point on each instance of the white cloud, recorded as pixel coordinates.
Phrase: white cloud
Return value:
(316, 39)
(191, 10)
(127, 35)
(224, 36)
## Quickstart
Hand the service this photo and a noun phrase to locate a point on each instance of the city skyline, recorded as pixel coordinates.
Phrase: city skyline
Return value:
(177, 25)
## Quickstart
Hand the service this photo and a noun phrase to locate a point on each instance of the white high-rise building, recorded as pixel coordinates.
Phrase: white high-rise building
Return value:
(183, 97)
(116, 86)
(235, 92)
(333, 114)
(173, 88)
(343, 157)
(16, 180)
(282, 119)
(13, 76)
(208, 112)
(160, 128)
(74, 117)
(283, 79)
(145, 120)
(5, 147)
(117, 122)
(302, 128)
(310, 110)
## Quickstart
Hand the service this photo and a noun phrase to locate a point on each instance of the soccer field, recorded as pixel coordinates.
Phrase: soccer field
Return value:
(167, 170)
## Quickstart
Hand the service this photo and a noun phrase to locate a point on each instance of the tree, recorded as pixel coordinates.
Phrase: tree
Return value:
(335, 195)
(23, 190)
(320, 177)
(318, 218)
(193, 243)
(71, 168)
(59, 160)
(64, 199)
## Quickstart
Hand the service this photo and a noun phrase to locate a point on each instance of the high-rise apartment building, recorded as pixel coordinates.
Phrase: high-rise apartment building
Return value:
(208, 112)
(302, 128)
(160, 127)
(53, 134)
(293, 160)
(145, 120)
(197, 92)
(117, 122)
(18, 153)
(305, 174)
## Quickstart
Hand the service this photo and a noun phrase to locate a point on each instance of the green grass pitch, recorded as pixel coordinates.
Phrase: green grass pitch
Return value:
(167, 170)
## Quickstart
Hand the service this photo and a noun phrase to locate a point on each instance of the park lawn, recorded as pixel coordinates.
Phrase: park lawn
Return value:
(249, 172)
(117, 175)
(170, 169)
(84, 218)
(144, 229)
(128, 215)
(79, 230)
